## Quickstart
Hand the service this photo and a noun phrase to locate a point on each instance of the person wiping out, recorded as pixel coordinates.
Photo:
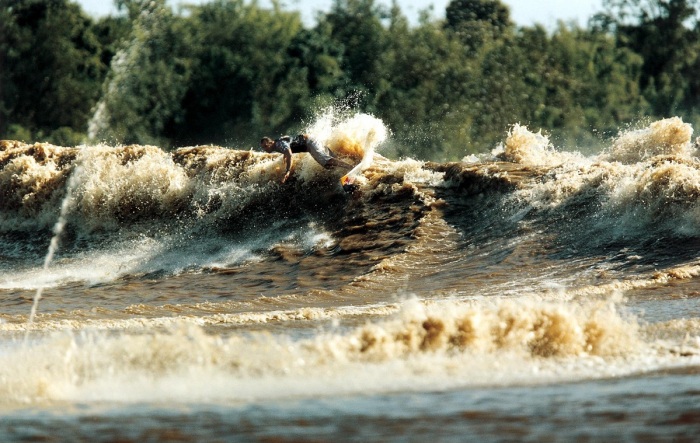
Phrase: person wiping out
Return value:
(302, 143)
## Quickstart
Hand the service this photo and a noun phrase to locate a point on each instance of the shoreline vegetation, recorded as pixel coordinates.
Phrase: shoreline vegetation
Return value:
(228, 71)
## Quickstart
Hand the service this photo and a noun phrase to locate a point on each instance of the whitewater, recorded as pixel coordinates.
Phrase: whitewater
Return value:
(526, 294)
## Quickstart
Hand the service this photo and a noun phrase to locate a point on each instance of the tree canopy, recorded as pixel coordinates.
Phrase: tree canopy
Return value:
(228, 71)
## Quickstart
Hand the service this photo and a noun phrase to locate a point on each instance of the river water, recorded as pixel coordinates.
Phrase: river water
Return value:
(528, 294)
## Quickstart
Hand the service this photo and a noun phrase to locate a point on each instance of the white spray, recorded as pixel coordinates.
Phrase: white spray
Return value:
(58, 228)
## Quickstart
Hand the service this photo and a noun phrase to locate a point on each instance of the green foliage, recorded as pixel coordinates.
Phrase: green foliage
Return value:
(321, 56)
(230, 71)
(51, 68)
(477, 22)
(424, 90)
(147, 81)
(579, 80)
(665, 34)
(244, 80)
(356, 25)
(18, 132)
(65, 136)
(461, 13)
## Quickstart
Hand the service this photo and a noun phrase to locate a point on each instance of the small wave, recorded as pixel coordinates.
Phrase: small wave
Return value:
(664, 137)
(529, 149)
(645, 187)
(459, 343)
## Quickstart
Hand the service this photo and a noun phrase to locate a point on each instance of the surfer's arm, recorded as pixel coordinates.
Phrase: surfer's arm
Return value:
(282, 146)
(288, 163)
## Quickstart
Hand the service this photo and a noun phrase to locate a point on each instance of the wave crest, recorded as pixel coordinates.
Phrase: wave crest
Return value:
(664, 137)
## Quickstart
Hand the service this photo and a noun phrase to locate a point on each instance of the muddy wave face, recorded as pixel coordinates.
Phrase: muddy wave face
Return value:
(642, 189)
(153, 211)
(638, 195)
(135, 211)
(196, 275)
(121, 185)
(419, 346)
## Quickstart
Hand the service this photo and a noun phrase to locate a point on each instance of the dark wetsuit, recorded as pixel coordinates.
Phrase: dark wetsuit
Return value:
(303, 143)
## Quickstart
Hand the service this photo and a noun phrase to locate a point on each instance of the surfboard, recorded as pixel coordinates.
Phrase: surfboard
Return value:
(348, 183)
(349, 180)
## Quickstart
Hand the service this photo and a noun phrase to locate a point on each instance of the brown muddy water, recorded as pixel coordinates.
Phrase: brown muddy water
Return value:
(527, 295)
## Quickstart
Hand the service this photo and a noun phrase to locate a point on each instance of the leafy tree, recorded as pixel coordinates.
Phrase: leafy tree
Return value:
(357, 26)
(478, 21)
(51, 67)
(244, 80)
(320, 56)
(148, 78)
(112, 33)
(423, 89)
(461, 13)
(228, 71)
(659, 31)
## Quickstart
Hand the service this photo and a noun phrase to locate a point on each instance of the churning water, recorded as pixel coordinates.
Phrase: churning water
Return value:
(531, 294)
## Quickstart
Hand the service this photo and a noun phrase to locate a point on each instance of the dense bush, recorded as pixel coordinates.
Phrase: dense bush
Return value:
(228, 71)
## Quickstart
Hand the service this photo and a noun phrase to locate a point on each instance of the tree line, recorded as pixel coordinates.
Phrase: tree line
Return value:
(229, 71)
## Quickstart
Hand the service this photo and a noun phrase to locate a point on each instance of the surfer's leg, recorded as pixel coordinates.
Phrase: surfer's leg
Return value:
(323, 156)
(319, 153)
(335, 163)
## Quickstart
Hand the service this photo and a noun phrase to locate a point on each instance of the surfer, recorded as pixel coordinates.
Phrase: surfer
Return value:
(302, 143)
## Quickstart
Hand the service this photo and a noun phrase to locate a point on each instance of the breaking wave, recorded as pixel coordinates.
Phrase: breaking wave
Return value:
(418, 344)
(199, 264)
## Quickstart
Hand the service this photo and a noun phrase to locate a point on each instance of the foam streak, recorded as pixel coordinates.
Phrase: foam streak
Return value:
(73, 182)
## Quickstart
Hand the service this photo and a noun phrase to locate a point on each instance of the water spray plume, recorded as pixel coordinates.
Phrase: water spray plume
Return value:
(58, 228)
